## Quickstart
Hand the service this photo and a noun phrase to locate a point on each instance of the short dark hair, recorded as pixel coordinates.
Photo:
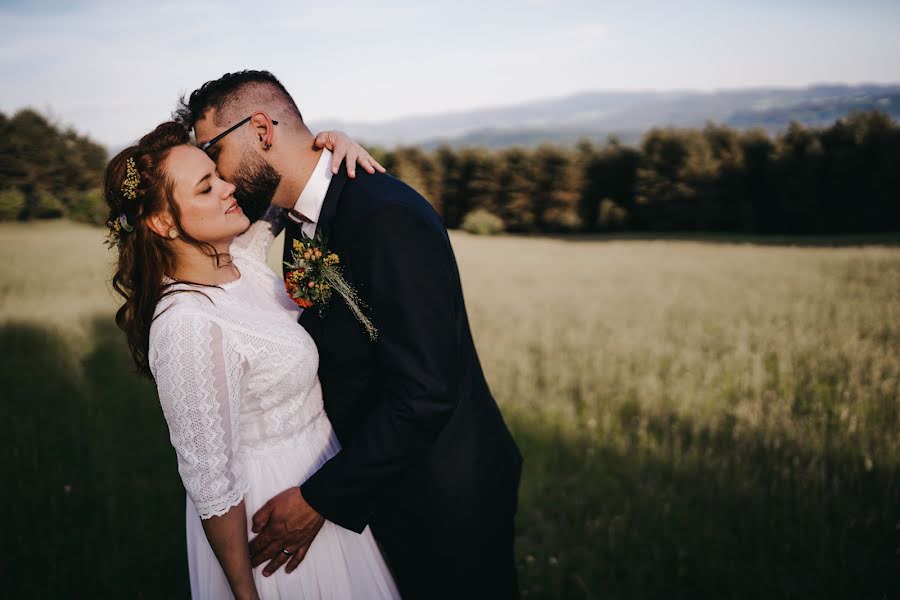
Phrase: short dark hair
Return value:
(219, 93)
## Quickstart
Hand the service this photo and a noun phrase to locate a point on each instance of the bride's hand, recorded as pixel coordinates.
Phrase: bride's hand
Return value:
(343, 147)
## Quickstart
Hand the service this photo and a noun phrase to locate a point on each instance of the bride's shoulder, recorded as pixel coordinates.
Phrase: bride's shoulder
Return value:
(182, 304)
(183, 331)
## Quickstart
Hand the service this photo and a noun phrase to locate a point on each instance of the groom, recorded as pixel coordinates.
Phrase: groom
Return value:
(426, 461)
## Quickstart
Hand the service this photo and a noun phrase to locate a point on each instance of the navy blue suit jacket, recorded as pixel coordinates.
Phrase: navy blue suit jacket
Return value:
(426, 457)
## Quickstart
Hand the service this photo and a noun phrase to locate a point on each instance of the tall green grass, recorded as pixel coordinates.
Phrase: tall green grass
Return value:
(699, 418)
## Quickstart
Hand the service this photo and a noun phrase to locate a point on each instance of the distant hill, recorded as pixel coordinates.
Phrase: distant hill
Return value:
(628, 115)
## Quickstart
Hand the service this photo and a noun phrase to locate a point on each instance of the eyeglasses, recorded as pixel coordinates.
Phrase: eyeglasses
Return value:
(206, 145)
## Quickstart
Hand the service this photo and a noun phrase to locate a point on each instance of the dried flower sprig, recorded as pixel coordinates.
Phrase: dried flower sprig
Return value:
(314, 274)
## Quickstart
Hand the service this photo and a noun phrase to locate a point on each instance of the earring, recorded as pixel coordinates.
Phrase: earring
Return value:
(173, 234)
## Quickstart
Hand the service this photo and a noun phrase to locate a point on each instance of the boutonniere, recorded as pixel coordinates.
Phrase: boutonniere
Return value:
(314, 274)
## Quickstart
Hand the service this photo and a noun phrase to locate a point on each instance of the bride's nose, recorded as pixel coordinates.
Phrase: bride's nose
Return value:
(228, 190)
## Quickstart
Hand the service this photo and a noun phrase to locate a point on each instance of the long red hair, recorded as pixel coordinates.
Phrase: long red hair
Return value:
(144, 257)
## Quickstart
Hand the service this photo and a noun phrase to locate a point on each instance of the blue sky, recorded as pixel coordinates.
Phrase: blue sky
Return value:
(113, 69)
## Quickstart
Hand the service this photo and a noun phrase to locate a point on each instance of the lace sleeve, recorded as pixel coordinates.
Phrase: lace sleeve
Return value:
(256, 241)
(198, 378)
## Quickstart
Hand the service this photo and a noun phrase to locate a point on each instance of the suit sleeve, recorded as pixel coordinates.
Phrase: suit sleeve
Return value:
(405, 269)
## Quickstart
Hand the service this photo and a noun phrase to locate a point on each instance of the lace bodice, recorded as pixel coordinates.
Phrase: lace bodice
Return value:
(235, 372)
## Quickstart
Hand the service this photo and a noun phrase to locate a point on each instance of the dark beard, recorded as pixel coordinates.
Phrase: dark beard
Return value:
(255, 181)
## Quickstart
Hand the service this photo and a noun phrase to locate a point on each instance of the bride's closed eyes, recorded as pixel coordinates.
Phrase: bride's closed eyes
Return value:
(209, 185)
(207, 179)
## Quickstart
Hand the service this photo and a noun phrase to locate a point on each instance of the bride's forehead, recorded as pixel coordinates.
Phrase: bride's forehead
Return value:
(190, 155)
(186, 160)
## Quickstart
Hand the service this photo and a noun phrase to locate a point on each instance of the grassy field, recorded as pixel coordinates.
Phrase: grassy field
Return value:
(700, 418)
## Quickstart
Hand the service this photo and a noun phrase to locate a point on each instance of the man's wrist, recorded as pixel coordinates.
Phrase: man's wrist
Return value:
(306, 499)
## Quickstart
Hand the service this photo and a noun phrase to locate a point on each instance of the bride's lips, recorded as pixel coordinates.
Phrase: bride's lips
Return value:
(234, 208)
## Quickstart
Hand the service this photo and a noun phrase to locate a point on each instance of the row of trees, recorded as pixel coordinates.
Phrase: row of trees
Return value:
(844, 178)
(47, 171)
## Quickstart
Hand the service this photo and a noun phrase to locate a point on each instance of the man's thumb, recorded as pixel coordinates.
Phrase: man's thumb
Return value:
(261, 517)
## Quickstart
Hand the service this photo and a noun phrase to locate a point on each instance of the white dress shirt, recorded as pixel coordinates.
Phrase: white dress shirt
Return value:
(309, 204)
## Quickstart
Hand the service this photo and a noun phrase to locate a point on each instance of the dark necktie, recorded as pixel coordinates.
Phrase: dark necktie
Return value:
(297, 216)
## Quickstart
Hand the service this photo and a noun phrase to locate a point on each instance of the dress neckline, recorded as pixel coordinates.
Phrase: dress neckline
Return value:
(225, 286)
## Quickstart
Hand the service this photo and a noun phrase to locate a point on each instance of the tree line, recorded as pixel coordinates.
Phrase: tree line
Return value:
(48, 171)
(844, 178)
(841, 179)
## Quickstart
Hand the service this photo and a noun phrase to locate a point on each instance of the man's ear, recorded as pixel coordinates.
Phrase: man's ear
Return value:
(160, 224)
(263, 128)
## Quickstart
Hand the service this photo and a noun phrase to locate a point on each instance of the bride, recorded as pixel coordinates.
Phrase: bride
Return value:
(236, 374)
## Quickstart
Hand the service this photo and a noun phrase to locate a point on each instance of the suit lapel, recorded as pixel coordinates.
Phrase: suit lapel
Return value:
(330, 204)
(310, 317)
(291, 232)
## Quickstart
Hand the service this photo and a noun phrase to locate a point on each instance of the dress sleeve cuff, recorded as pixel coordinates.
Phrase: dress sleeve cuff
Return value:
(220, 506)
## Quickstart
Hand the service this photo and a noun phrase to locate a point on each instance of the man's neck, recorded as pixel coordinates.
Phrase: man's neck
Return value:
(298, 176)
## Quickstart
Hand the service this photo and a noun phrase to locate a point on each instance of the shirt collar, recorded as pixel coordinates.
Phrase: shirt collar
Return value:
(309, 204)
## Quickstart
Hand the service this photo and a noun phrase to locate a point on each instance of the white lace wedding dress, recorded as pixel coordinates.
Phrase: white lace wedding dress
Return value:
(237, 381)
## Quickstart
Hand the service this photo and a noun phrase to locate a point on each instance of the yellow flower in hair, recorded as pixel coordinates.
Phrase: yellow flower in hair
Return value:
(132, 180)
